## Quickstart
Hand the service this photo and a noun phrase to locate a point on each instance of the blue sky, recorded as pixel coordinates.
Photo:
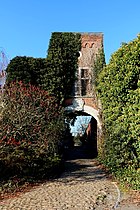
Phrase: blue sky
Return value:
(80, 125)
(26, 25)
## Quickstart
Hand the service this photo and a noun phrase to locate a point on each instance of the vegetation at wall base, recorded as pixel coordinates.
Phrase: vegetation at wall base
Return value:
(119, 91)
(31, 133)
(32, 122)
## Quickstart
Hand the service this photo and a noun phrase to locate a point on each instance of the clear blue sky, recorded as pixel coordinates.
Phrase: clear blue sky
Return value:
(26, 25)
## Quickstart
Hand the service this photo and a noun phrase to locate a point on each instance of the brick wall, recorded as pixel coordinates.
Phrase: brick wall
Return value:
(91, 43)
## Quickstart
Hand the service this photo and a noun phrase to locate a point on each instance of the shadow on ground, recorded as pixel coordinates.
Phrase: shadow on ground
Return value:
(80, 152)
(81, 165)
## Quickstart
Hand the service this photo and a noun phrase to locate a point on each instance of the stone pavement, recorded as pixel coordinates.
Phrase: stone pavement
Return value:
(83, 186)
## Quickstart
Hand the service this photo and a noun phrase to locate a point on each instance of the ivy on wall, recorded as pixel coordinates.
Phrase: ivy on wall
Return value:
(62, 63)
(98, 65)
(119, 91)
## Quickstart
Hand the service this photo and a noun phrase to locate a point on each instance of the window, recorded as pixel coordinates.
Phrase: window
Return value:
(83, 83)
(84, 73)
(85, 87)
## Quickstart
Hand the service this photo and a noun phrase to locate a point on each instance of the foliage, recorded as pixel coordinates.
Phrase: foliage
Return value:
(31, 132)
(26, 69)
(56, 73)
(119, 90)
(62, 63)
(98, 65)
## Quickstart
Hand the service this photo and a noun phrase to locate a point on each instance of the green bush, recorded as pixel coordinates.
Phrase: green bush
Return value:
(26, 69)
(31, 132)
(119, 90)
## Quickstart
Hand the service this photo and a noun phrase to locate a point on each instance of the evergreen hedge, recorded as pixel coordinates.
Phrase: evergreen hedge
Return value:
(119, 91)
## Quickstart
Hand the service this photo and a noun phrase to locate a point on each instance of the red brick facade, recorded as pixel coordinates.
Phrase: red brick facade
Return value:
(87, 101)
(91, 43)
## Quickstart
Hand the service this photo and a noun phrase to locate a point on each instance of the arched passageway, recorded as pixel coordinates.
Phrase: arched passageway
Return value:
(84, 138)
(91, 137)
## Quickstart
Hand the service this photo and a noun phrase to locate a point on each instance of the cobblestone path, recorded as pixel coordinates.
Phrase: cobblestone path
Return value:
(83, 186)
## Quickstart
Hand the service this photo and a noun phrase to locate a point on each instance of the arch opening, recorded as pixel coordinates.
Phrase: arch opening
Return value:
(84, 136)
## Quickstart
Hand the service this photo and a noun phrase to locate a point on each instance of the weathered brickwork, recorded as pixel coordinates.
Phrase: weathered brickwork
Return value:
(91, 43)
(91, 102)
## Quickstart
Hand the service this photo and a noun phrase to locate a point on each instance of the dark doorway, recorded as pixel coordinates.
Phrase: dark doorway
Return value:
(85, 144)
(91, 135)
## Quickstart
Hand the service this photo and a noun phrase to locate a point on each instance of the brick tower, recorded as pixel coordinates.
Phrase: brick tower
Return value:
(91, 43)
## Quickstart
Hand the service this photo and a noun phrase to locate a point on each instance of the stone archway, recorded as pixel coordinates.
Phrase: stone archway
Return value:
(79, 106)
(94, 113)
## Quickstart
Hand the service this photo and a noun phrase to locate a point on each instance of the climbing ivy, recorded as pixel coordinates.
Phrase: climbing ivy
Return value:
(119, 90)
(62, 63)
(98, 64)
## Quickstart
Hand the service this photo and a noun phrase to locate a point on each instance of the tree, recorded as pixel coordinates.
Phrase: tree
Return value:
(26, 69)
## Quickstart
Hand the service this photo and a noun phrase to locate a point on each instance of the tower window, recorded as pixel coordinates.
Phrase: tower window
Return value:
(83, 82)
(84, 73)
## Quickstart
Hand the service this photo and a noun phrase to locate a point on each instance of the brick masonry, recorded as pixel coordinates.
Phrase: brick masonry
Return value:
(91, 43)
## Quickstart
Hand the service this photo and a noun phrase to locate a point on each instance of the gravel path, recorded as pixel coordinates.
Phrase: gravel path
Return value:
(83, 186)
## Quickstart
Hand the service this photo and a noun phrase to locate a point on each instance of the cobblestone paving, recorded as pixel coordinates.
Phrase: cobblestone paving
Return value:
(83, 186)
